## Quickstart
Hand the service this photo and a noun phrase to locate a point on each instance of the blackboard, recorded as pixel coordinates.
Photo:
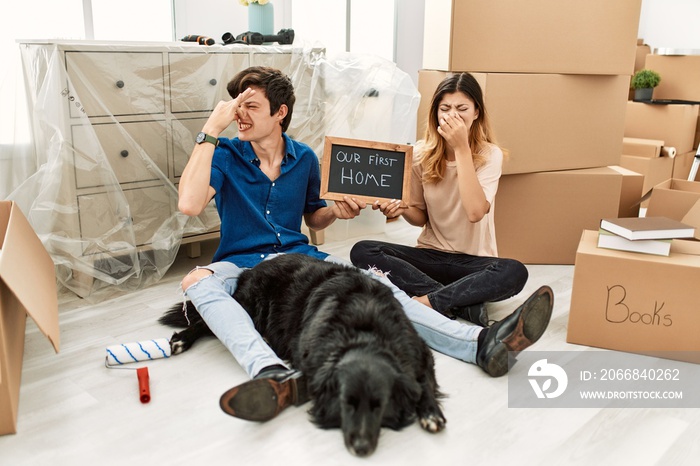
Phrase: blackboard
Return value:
(365, 170)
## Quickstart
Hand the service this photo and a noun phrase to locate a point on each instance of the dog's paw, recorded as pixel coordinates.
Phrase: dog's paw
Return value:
(179, 344)
(433, 423)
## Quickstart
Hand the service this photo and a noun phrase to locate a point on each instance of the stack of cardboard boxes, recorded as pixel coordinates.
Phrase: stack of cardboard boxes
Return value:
(636, 302)
(639, 60)
(555, 76)
(672, 126)
(676, 125)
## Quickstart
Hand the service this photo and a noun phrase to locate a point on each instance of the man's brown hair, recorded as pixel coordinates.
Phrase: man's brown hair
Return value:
(277, 86)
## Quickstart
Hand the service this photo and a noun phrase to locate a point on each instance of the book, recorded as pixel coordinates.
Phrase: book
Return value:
(635, 228)
(659, 247)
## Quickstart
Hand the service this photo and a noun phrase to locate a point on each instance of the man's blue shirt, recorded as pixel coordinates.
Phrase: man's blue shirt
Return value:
(260, 217)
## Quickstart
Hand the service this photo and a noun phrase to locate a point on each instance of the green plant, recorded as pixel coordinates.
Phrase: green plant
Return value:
(645, 79)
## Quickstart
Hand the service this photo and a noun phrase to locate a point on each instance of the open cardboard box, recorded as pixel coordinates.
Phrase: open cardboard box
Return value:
(27, 286)
(636, 302)
(682, 164)
(677, 199)
(654, 169)
(673, 198)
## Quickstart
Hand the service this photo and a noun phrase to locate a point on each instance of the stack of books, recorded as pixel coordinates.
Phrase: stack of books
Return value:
(649, 235)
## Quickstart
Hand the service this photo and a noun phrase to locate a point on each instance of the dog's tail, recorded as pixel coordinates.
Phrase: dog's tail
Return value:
(180, 315)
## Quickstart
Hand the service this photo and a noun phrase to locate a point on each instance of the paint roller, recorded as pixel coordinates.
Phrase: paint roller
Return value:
(138, 351)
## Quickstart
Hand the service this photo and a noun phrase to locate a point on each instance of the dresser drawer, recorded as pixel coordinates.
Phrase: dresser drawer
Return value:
(104, 221)
(134, 151)
(117, 83)
(184, 131)
(198, 80)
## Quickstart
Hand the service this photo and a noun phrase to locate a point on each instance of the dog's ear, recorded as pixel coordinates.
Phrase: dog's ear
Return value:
(326, 377)
(407, 387)
(404, 399)
(325, 387)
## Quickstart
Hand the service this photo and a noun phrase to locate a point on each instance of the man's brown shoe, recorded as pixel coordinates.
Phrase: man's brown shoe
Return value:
(516, 332)
(264, 397)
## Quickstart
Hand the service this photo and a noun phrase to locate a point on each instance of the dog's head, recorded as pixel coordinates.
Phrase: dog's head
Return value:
(370, 393)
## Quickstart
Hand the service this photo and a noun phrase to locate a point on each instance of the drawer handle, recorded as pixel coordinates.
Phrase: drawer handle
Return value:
(120, 84)
(212, 82)
(124, 153)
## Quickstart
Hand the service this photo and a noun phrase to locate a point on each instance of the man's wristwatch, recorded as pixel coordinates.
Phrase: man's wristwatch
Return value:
(204, 137)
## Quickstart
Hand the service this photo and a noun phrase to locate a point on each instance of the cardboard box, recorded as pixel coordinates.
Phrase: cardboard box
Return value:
(655, 170)
(546, 36)
(680, 75)
(673, 198)
(635, 302)
(539, 217)
(639, 60)
(642, 147)
(682, 163)
(693, 218)
(632, 189)
(27, 286)
(673, 124)
(641, 55)
(679, 200)
(547, 122)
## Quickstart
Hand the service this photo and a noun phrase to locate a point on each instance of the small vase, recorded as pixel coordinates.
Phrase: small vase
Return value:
(643, 94)
(261, 18)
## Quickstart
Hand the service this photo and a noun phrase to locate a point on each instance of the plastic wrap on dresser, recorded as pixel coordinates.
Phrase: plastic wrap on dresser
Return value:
(113, 123)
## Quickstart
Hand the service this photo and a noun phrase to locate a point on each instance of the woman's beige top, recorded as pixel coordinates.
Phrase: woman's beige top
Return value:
(448, 228)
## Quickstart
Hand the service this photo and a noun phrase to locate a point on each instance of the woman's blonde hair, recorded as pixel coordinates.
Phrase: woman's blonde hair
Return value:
(434, 148)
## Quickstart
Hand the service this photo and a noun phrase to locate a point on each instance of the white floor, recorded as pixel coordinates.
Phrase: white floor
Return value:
(75, 411)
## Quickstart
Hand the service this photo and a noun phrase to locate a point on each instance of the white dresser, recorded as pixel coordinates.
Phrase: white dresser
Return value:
(113, 125)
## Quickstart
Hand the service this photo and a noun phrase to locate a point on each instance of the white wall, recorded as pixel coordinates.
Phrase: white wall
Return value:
(409, 36)
(670, 24)
(215, 17)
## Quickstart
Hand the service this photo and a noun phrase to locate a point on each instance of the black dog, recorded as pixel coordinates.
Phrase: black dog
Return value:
(366, 366)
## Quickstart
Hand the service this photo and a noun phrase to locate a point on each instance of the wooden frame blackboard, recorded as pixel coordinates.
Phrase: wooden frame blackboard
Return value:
(366, 170)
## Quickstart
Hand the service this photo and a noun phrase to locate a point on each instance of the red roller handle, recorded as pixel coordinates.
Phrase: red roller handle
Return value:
(144, 390)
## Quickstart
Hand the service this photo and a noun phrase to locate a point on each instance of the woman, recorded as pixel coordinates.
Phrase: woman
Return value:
(454, 268)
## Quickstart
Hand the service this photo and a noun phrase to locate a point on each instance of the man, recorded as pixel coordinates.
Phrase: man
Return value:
(264, 182)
